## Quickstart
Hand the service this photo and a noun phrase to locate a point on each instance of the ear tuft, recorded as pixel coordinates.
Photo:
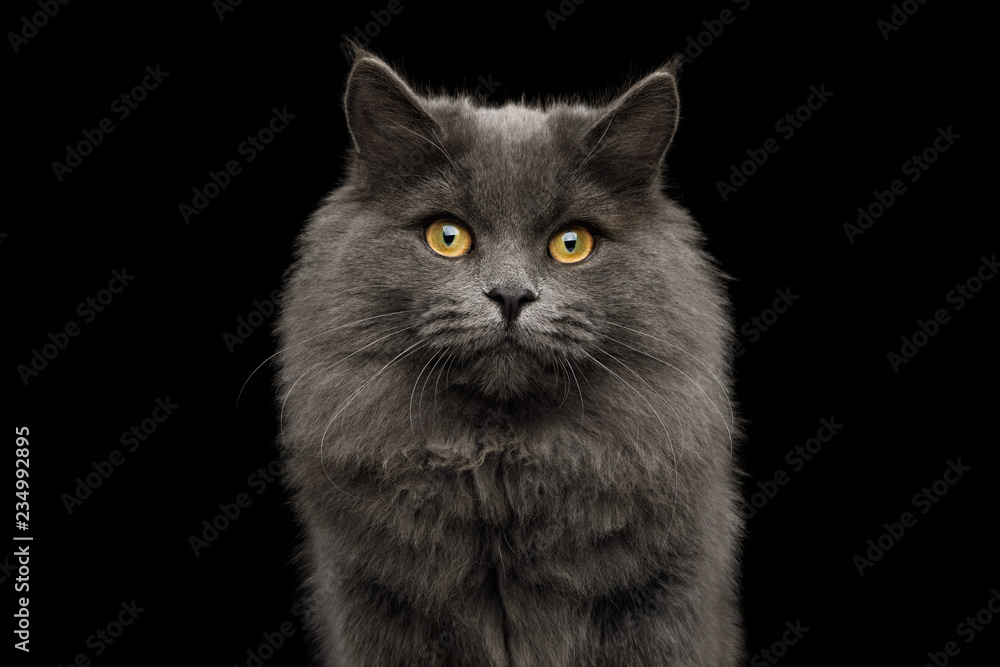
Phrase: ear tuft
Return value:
(352, 50)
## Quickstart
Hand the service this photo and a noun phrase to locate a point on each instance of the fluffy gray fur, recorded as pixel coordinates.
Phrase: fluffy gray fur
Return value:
(557, 490)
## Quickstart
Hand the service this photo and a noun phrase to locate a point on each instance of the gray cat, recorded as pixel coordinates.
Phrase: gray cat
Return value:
(504, 377)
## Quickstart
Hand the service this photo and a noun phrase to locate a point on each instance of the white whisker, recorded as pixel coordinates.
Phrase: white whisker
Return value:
(281, 415)
(677, 455)
(322, 333)
(607, 127)
(700, 388)
(346, 404)
(561, 373)
(437, 146)
(420, 401)
(640, 395)
(579, 389)
(414, 391)
(447, 361)
(725, 391)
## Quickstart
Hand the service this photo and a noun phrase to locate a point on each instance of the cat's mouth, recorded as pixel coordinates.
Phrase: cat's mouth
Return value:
(502, 367)
(514, 343)
(509, 343)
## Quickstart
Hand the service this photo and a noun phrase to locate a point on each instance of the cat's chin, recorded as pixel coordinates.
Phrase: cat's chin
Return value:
(505, 372)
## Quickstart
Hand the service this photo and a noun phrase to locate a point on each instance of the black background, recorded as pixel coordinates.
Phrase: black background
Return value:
(826, 357)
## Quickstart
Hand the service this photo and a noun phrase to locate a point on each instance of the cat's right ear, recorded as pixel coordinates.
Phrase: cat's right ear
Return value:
(627, 144)
(384, 116)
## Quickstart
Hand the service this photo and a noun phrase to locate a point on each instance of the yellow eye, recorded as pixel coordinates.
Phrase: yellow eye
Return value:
(571, 245)
(449, 238)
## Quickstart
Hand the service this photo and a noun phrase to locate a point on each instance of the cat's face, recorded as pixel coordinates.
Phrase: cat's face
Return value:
(514, 244)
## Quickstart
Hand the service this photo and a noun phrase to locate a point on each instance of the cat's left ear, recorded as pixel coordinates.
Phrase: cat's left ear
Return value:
(384, 116)
(629, 141)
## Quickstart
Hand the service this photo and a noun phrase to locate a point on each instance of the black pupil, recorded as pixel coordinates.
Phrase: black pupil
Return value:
(449, 232)
(569, 240)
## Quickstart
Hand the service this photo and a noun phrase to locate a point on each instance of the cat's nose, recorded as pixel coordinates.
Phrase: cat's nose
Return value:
(511, 299)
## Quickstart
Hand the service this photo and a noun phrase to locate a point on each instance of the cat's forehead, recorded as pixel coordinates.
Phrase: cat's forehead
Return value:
(512, 160)
(512, 122)
(519, 142)
(514, 126)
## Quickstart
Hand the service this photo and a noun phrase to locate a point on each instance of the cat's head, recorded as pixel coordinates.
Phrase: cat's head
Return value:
(511, 243)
